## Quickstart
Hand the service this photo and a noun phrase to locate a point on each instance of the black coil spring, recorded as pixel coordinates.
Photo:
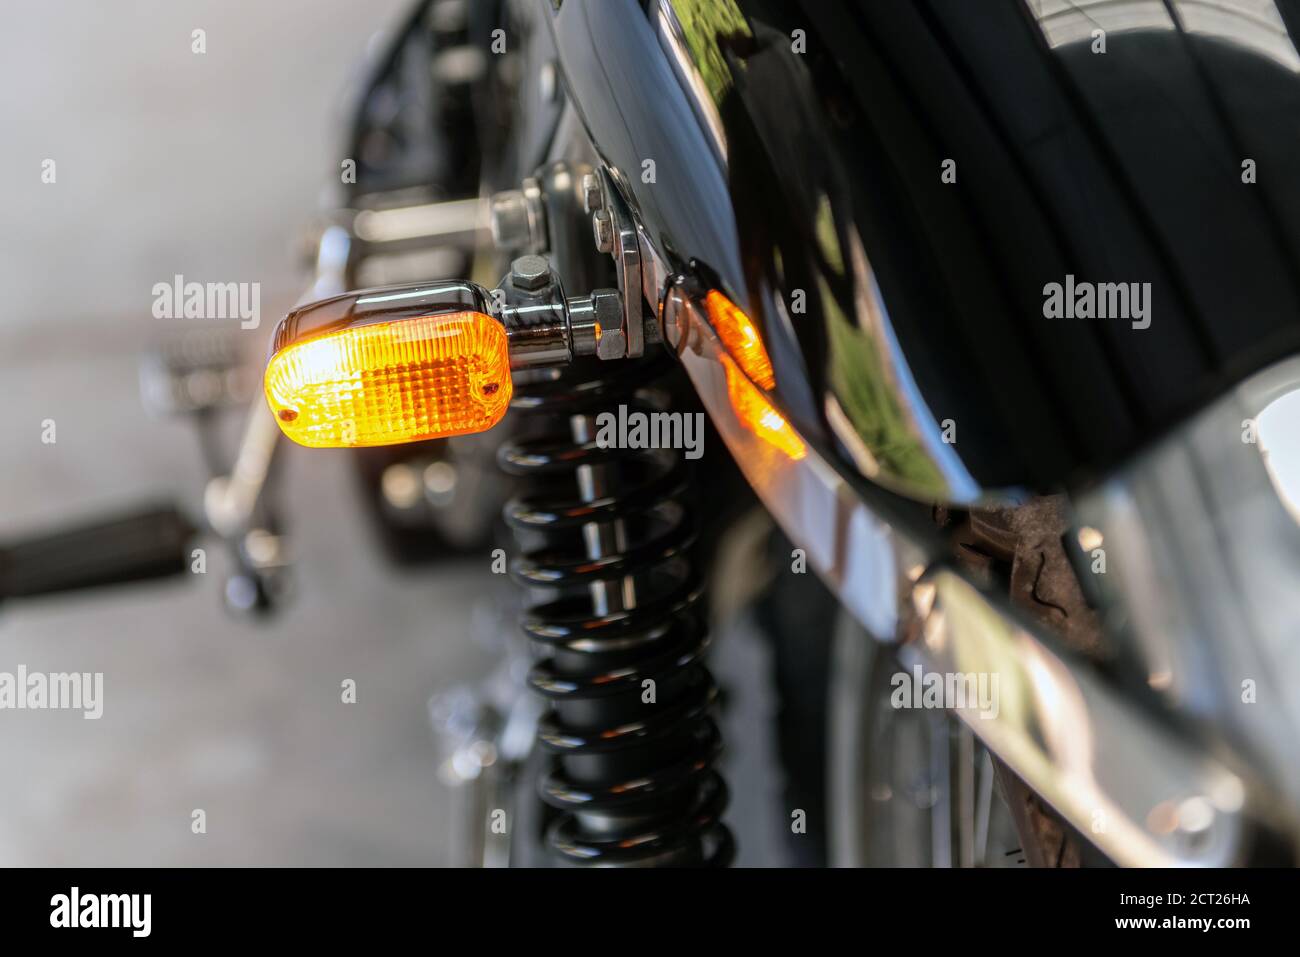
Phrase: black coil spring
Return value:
(633, 780)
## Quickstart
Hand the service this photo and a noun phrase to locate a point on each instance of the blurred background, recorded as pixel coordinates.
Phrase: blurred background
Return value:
(210, 166)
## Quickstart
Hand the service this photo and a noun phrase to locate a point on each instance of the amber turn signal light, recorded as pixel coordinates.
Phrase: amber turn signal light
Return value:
(740, 336)
(758, 415)
(351, 381)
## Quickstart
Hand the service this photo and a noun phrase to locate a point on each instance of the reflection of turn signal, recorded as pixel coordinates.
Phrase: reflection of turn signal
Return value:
(739, 335)
(758, 415)
(381, 383)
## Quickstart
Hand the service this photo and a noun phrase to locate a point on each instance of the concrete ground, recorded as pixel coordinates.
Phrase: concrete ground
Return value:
(169, 162)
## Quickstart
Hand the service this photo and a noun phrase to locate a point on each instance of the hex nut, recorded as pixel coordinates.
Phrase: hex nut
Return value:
(602, 227)
(592, 196)
(509, 219)
(607, 309)
(611, 345)
(530, 273)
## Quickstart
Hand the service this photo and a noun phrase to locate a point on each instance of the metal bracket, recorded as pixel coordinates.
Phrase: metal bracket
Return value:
(624, 245)
(542, 324)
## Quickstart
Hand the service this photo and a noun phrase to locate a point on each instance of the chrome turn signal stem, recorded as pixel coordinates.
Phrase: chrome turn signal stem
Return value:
(546, 328)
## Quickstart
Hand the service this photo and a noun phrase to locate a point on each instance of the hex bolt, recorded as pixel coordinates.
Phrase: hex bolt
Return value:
(603, 228)
(509, 217)
(592, 196)
(530, 273)
(607, 305)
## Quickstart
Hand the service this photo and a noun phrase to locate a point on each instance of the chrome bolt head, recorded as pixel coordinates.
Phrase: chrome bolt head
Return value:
(607, 304)
(602, 227)
(530, 273)
(592, 197)
(509, 218)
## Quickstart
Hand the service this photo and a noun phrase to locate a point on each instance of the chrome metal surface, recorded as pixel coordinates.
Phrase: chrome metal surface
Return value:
(538, 333)
(553, 330)
(383, 304)
(672, 318)
(510, 220)
(457, 222)
(1143, 794)
(397, 237)
(584, 324)
(518, 218)
(591, 316)
(1199, 577)
(602, 231)
(530, 272)
(230, 502)
(860, 557)
(592, 195)
(627, 259)
(333, 260)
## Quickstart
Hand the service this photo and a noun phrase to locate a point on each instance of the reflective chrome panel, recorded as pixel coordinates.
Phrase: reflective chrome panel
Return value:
(1202, 570)
(1135, 789)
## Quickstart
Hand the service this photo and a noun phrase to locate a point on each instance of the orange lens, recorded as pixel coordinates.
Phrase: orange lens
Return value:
(390, 382)
(739, 335)
(758, 415)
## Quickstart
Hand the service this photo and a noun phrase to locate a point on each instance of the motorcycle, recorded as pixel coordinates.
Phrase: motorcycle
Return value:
(852, 228)
(992, 307)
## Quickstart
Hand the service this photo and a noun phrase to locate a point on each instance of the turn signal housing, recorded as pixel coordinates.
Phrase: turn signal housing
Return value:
(381, 367)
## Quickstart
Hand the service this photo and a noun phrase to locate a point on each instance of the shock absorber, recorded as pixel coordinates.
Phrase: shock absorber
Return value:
(606, 531)
(607, 534)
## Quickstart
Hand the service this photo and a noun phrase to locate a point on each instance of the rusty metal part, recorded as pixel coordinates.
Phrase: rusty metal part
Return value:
(1045, 842)
(1027, 542)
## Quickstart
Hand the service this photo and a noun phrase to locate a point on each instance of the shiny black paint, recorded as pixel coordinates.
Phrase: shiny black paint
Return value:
(1117, 167)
